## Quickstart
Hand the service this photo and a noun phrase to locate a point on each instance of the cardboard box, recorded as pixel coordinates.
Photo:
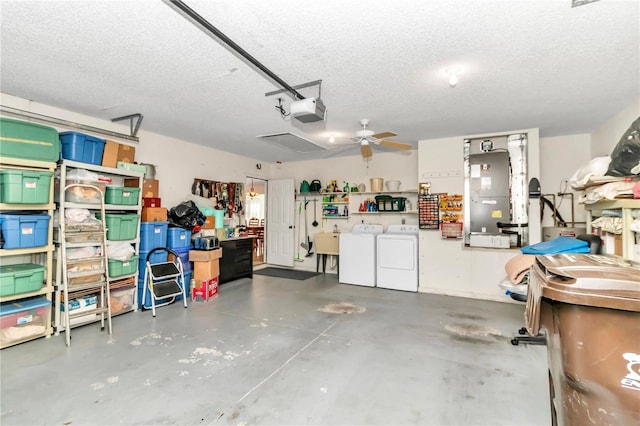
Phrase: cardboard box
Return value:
(150, 188)
(110, 154)
(612, 243)
(210, 222)
(205, 289)
(154, 214)
(206, 270)
(132, 182)
(204, 255)
(126, 153)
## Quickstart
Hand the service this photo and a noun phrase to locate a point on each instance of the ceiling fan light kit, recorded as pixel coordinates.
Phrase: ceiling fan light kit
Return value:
(366, 138)
(453, 76)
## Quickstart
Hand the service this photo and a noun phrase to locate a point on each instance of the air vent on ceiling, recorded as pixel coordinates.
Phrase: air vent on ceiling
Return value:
(292, 141)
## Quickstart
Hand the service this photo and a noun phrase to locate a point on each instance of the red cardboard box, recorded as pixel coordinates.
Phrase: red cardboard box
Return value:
(205, 290)
(151, 202)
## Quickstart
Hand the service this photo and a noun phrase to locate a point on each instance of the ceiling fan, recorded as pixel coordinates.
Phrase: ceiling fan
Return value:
(365, 138)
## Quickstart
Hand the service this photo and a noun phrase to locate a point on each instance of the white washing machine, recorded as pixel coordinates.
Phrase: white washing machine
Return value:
(397, 258)
(358, 255)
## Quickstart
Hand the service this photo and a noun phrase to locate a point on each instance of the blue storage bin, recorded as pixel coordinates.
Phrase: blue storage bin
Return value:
(157, 257)
(80, 147)
(153, 235)
(24, 230)
(178, 238)
(184, 258)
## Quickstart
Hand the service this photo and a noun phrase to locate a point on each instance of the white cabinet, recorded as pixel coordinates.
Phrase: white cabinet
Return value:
(630, 249)
(42, 255)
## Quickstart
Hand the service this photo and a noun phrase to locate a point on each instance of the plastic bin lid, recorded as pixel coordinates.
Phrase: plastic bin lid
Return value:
(21, 267)
(23, 305)
(589, 279)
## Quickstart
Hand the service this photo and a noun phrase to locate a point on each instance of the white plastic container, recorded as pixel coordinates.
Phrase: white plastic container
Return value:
(376, 184)
(393, 185)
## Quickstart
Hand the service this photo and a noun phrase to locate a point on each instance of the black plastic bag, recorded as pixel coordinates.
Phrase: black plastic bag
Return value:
(186, 215)
(626, 154)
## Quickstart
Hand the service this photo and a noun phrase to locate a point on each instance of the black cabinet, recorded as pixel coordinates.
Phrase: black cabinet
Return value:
(237, 259)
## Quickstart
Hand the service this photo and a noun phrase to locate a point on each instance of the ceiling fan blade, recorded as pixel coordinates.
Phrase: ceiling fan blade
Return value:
(394, 144)
(383, 135)
(366, 151)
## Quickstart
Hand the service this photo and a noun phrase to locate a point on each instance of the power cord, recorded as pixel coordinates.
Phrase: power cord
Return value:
(281, 109)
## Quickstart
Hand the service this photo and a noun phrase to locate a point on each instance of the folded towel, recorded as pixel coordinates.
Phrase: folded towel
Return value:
(518, 266)
(558, 245)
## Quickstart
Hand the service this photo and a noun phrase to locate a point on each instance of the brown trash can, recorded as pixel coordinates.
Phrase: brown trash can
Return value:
(590, 307)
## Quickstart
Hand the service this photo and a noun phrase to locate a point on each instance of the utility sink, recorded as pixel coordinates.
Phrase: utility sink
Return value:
(327, 243)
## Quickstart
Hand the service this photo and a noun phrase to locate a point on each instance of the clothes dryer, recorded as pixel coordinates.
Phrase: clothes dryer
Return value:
(358, 255)
(397, 258)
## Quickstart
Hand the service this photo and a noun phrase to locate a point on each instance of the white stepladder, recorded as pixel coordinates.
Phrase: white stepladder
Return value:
(164, 281)
(84, 275)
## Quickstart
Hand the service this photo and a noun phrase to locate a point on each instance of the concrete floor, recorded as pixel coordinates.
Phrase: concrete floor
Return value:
(263, 353)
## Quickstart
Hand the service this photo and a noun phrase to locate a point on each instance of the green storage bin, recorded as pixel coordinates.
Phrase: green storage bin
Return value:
(118, 268)
(24, 186)
(121, 195)
(121, 226)
(398, 204)
(384, 203)
(21, 278)
(31, 141)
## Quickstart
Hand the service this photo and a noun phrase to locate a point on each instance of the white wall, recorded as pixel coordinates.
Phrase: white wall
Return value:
(354, 170)
(560, 157)
(447, 266)
(605, 138)
(179, 162)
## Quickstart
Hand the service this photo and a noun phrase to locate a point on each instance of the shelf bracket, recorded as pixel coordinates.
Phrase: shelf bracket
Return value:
(133, 128)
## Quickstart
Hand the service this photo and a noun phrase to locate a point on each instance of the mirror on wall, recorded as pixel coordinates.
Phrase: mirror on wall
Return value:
(255, 201)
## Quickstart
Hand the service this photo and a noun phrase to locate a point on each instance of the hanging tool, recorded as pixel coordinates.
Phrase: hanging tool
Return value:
(315, 220)
(297, 258)
(307, 244)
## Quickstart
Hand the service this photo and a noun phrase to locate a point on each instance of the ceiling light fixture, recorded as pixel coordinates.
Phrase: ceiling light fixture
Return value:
(252, 192)
(453, 76)
(332, 139)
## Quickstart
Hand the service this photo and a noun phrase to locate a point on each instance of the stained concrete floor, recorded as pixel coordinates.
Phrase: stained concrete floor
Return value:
(263, 353)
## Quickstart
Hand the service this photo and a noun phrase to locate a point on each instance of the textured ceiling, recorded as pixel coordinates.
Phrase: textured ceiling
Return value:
(527, 63)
